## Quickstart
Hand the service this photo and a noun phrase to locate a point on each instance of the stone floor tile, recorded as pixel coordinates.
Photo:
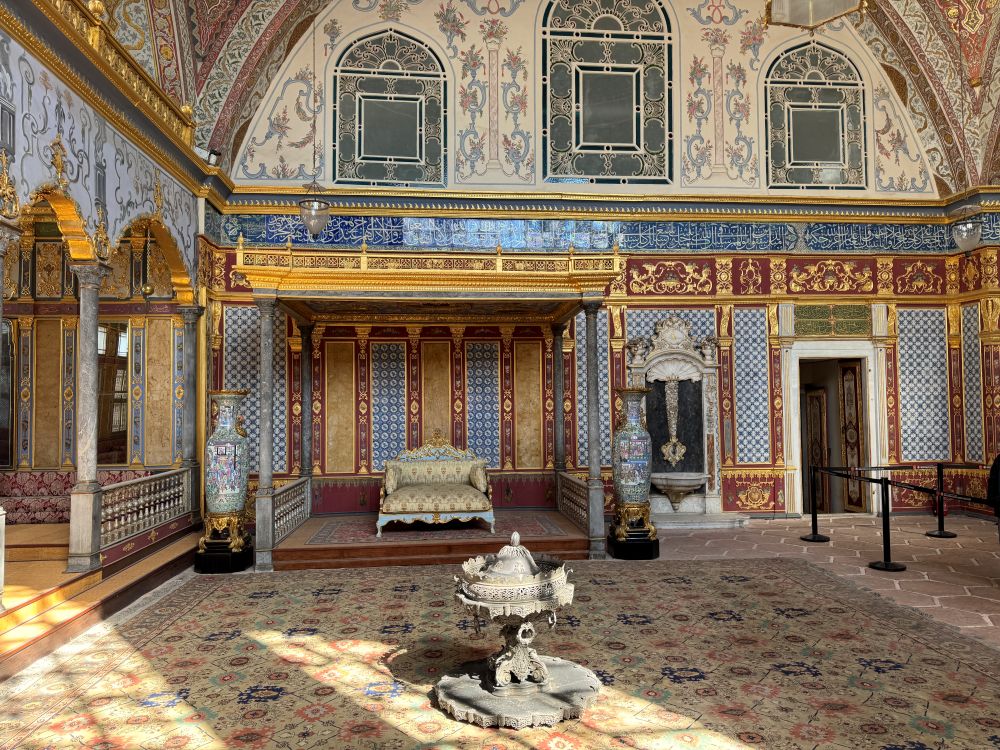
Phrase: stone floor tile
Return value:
(909, 598)
(933, 588)
(959, 617)
(987, 592)
(972, 604)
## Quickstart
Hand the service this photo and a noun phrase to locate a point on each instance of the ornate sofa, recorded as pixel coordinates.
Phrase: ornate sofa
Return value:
(435, 483)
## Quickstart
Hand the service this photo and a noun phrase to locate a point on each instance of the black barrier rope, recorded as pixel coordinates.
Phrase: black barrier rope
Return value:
(854, 473)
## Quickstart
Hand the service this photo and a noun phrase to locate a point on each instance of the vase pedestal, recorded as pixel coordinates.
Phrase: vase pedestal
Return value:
(219, 558)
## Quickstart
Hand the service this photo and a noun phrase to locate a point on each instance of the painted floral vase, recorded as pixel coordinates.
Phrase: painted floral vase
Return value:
(227, 463)
(632, 447)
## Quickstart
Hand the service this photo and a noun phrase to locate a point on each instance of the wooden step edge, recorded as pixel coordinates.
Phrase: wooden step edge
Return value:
(36, 552)
(47, 599)
(379, 562)
(168, 562)
(540, 545)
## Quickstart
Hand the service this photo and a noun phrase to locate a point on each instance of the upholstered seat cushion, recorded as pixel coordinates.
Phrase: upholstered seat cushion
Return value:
(435, 497)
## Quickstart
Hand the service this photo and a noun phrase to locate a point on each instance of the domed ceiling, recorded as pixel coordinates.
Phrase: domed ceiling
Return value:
(223, 55)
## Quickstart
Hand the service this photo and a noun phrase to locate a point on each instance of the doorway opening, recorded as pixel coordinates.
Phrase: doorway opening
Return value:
(834, 432)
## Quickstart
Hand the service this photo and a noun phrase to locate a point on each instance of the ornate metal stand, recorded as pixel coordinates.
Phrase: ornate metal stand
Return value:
(516, 687)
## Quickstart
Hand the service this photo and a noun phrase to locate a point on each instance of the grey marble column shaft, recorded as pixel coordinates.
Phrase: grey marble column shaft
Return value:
(595, 485)
(189, 446)
(558, 396)
(265, 443)
(85, 498)
(307, 399)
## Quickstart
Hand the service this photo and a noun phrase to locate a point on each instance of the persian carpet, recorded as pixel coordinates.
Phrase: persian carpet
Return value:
(728, 654)
(355, 529)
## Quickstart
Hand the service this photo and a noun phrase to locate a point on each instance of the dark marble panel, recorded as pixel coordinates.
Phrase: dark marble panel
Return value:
(690, 425)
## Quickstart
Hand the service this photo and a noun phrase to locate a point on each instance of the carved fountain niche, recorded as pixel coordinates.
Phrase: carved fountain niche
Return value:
(682, 409)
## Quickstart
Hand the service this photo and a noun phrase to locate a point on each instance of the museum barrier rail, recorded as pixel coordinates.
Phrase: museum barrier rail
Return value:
(138, 505)
(572, 500)
(856, 473)
(291, 507)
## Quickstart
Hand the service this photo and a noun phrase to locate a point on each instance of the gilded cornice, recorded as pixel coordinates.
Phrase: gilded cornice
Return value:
(173, 129)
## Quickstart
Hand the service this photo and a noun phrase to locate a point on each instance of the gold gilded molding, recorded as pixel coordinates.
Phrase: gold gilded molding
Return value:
(724, 275)
(951, 264)
(989, 308)
(830, 276)
(671, 277)
(71, 78)
(988, 268)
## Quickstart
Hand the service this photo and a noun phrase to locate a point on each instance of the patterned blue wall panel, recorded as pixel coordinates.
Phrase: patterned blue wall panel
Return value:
(585, 234)
(603, 379)
(482, 387)
(973, 383)
(750, 361)
(388, 402)
(640, 322)
(241, 368)
(923, 385)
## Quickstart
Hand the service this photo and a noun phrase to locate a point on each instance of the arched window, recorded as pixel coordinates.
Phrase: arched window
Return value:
(389, 108)
(815, 120)
(607, 81)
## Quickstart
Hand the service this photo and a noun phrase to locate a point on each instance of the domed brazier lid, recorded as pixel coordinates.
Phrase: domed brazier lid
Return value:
(513, 576)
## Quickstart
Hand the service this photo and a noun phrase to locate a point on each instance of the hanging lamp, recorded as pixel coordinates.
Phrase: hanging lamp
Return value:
(314, 209)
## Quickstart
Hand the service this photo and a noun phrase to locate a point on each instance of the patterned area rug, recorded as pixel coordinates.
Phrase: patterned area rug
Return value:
(709, 654)
(355, 529)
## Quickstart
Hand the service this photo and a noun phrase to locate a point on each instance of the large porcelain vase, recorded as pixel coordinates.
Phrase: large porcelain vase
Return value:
(227, 463)
(632, 447)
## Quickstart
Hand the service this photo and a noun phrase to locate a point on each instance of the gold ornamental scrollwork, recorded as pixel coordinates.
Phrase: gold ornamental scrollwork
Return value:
(10, 204)
(755, 497)
(830, 276)
(671, 277)
(751, 278)
(779, 276)
(883, 276)
(919, 278)
(633, 516)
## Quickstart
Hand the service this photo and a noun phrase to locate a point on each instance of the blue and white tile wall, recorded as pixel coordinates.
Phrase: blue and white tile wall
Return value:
(241, 368)
(923, 385)
(482, 388)
(972, 387)
(388, 401)
(640, 321)
(604, 382)
(750, 365)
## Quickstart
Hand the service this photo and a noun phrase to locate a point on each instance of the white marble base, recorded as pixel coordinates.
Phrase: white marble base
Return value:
(569, 690)
(674, 521)
(691, 515)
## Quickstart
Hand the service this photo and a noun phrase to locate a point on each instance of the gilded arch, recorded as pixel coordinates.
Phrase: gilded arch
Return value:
(69, 219)
(179, 277)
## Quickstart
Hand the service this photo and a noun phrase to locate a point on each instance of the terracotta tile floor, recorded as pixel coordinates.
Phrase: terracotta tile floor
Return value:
(955, 581)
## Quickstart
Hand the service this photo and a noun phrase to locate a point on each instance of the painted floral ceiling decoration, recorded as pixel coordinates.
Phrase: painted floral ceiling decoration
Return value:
(939, 57)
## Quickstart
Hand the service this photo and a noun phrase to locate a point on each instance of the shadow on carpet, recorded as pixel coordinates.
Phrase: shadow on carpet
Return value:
(725, 654)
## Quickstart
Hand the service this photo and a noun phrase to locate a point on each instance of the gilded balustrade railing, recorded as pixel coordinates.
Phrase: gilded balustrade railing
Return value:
(572, 500)
(139, 505)
(291, 507)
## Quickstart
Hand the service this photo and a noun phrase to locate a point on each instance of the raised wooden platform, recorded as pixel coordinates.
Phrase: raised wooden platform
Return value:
(47, 607)
(425, 544)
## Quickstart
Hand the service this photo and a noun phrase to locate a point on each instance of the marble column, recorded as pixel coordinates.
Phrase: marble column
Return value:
(265, 443)
(189, 443)
(307, 400)
(595, 485)
(85, 498)
(558, 396)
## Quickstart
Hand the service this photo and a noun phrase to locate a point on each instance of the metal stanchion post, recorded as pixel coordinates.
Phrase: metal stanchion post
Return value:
(940, 533)
(815, 536)
(886, 562)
